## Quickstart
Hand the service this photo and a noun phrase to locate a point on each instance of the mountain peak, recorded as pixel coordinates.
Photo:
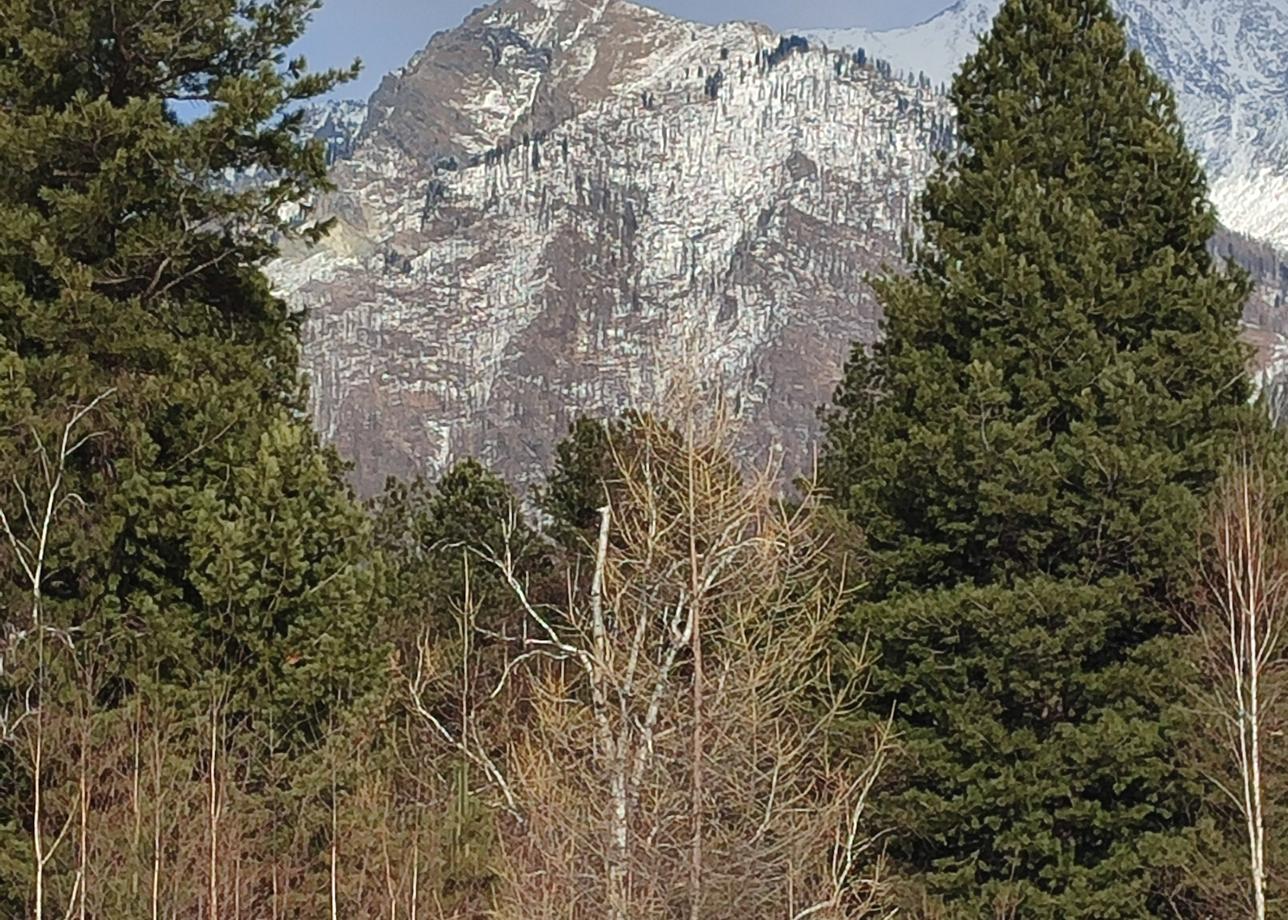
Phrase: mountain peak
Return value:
(568, 206)
(520, 66)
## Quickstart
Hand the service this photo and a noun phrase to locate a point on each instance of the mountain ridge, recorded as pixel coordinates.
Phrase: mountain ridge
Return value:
(565, 207)
(552, 243)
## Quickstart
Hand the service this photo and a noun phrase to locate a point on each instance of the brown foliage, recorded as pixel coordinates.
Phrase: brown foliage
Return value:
(676, 708)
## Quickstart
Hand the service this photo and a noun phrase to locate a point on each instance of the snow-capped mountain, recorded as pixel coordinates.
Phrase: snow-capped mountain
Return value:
(1226, 59)
(569, 206)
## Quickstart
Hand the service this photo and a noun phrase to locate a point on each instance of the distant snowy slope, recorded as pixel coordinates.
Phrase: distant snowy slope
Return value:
(337, 124)
(1227, 60)
(934, 47)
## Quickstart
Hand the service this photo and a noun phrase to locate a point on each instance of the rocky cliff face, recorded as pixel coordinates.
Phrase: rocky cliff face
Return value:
(570, 206)
(1226, 59)
(567, 206)
(338, 125)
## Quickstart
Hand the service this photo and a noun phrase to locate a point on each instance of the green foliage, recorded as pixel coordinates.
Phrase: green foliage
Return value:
(577, 485)
(202, 538)
(127, 262)
(1027, 452)
(586, 472)
(434, 542)
(1061, 371)
(429, 534)
(1038, 723)
(281, 563)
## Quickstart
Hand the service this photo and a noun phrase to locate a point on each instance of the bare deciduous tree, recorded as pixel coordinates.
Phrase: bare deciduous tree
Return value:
(1241, 627)
(30, 538)
(657, 742)
(655, 774)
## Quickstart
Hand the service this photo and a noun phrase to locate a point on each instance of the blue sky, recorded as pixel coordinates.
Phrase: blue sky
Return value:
(385, 33)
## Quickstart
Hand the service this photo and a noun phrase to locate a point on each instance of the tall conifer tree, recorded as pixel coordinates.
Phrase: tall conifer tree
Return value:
(1061, 368)
(131, 272)
(150, 157)
(1028, 450)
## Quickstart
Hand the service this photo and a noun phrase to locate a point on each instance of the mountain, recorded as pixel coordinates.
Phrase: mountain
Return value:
(568, 206)
(1226, 59)
(338, 124)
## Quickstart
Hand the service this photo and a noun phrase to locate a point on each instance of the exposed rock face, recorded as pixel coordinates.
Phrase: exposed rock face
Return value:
(568, 206)
(338, 125)
(565, 206)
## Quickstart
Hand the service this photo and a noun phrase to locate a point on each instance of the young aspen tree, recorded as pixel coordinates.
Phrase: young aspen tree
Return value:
(1241, 628)
(30, 537)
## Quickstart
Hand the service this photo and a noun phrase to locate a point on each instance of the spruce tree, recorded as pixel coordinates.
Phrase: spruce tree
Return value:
(130, 269)
(586, 473)
(1061, 367)
(429, 534)
(1027, 451)
(151, 156)
(579, 481)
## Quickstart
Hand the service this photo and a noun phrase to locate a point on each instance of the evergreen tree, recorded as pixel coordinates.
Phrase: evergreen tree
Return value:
(1060, 366)
(586, 472)
(1027, 451)
(427, 535)
(577, 485)
(433, 541)
(280, 564)
(1042, 725)
(128, 263)
(150, 156)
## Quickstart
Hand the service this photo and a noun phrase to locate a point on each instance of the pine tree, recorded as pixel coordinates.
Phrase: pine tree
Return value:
(1061, 366)
(280, 561)
(586, 472)
(577, 485)
(128, 263)
(429, 534)
(449, 611)
(151, 156)
(1027, 451)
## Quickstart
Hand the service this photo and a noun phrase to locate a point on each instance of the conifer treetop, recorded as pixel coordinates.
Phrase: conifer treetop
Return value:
(1061, 364)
